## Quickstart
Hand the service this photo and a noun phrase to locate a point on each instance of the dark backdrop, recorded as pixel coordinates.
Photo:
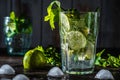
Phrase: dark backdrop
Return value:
(109, 31)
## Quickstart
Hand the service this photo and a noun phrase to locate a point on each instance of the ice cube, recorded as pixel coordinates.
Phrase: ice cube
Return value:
(20, 77)
(2, 71)
(55, 72)
(6, 69)
(104, 74)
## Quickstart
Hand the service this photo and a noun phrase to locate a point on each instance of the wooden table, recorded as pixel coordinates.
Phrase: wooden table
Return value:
(16, 63)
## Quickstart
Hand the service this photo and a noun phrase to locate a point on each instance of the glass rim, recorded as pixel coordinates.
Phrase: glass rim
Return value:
(80, 11)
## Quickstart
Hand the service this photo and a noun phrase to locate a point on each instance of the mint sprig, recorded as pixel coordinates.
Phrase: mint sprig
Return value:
(51, 54)
(22, 23)
(110, 61)
(53, 13)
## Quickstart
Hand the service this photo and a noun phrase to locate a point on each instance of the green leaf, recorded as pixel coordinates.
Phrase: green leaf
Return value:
(98, 57)
(12, 15)
(104, 64)
(111, 61)
(53, 57)
(40, 48)
(22, 24)
(53, 13)
(100, 53)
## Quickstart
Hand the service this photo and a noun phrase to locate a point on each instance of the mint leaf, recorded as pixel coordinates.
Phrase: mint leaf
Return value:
(99, 58)
(53, 13)
(110, 61)
(12, 16)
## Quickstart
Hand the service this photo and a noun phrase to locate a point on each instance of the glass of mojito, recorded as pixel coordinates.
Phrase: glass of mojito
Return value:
(78, 36)
(17, 36)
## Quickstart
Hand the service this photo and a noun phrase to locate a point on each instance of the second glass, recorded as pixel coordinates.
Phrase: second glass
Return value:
(17, 36)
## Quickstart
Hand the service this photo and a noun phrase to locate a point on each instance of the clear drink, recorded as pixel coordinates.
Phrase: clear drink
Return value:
(78, 35)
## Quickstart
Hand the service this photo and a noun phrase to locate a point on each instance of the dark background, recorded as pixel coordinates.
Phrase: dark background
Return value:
(109, 30)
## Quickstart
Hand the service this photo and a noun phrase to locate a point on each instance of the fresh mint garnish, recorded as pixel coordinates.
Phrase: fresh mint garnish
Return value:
(22, 24)
(53, 13)
(110, 61)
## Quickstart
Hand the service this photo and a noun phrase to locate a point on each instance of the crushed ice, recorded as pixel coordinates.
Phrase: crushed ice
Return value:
(104, 74)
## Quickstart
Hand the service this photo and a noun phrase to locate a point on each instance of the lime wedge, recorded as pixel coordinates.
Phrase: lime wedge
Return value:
(76, 40)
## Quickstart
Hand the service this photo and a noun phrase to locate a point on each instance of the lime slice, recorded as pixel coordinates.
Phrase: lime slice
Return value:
(76, 40)
(64, 23)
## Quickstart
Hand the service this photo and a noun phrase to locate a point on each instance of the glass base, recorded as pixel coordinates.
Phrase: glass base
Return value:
(80, 71)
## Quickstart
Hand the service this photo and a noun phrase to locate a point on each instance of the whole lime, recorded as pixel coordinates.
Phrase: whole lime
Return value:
(34, 59)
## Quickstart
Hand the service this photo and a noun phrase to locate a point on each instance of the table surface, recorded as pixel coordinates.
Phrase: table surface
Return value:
(16, 63)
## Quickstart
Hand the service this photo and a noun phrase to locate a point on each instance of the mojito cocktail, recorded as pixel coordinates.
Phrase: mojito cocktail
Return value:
(78, 35)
